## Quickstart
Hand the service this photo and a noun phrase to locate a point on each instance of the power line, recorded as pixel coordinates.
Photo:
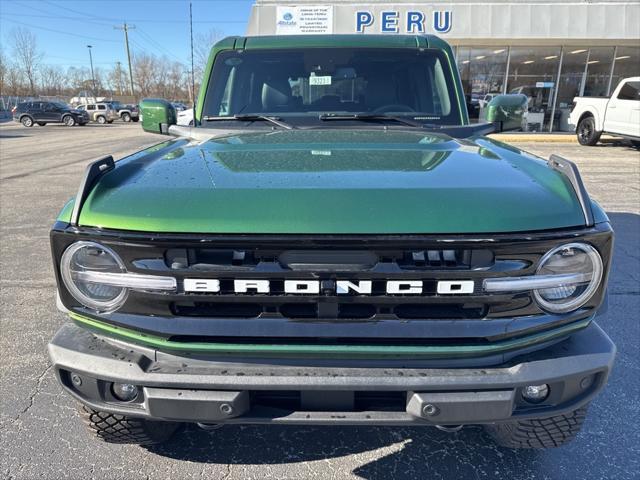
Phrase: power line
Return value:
(58, 31)
(144, 20)
(155, 44)
(56, 17)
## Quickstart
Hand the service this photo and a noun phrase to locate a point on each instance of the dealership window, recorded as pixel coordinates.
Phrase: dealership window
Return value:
(482, 71)
(627, 64)
(533, 72)
(572, 73)
(598, 71)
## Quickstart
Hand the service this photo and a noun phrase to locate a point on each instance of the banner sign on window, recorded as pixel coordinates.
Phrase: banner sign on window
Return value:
(304, 20)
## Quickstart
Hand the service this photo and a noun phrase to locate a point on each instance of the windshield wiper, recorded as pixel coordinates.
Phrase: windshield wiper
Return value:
(372, 117)
(252, 118)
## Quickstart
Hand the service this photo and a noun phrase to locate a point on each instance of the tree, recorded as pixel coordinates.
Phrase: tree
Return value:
(53, 79)
(202, 44)
(28, 57)
(145, 67)
(4, 66)
(116, 79)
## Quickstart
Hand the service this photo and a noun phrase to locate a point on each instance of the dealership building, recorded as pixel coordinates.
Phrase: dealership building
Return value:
(549, 50)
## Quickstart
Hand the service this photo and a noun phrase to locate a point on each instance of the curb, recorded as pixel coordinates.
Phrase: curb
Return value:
(535, 137)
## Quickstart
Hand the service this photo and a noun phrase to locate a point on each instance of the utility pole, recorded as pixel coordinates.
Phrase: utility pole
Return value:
(93, 77)
(193, 81)
(126, 29)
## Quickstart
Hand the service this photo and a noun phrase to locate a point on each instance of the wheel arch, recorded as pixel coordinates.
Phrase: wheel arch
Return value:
(591, 112)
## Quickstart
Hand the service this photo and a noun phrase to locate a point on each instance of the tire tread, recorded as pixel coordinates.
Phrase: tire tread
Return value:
(539, 433)
(114, 428)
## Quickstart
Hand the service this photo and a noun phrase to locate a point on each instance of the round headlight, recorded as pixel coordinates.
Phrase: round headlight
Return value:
(582, 267)
(82, 258)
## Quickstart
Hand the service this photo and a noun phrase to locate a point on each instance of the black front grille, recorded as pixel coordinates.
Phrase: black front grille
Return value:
(379, 259)
(330, 310)
(325, 260)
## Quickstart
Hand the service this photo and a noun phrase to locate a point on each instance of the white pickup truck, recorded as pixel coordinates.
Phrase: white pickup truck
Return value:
(618, 115)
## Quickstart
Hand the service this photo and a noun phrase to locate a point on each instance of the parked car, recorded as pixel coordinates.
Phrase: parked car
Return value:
(473, 106)
(618, 115)
(100, 112)
(185, 117)
(41, 112)
(486, 99)
(352, 252)
(126, 112)
(179, 106)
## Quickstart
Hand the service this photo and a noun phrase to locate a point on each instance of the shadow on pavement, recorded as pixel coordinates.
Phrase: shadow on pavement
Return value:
(414, 452)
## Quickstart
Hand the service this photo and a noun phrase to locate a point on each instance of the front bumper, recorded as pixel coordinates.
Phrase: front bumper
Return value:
(194, 388)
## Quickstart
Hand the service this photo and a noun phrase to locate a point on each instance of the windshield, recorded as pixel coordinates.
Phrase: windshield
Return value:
(300, 83)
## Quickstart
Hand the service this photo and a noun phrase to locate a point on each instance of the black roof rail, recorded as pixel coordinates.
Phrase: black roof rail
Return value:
(571, 172)
(93, 172)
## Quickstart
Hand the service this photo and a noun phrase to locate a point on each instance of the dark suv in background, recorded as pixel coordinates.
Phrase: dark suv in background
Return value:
(42, 113)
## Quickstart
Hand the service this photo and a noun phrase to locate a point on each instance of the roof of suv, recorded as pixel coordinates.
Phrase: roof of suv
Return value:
(327, 41)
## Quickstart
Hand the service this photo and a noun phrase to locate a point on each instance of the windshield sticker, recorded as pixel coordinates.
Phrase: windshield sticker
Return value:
(317, 80)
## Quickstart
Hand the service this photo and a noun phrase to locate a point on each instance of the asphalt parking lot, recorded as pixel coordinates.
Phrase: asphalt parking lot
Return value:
(42, 437)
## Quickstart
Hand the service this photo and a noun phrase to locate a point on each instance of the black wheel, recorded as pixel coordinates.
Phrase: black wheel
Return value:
(42, 124)
(114, 428)
(126, 117)
(27, 121)
(587, 133)
(540, 433)
(636, 143)
(69, 121)
(101, 120)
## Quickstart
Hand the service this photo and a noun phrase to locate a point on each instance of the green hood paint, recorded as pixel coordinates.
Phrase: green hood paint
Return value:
(333, 181)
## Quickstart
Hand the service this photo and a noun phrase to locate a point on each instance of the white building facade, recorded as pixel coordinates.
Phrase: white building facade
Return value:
(549, 50)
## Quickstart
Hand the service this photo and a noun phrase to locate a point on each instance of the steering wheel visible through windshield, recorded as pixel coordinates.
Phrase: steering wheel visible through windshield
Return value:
(305, 85)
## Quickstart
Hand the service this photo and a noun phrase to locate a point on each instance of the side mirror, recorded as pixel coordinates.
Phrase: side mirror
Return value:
(157, 115)
(506, 111)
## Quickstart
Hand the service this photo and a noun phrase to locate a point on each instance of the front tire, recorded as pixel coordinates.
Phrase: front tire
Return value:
(69, 121)
(114, 428)
(539, 433)
(101, 120)
(126, 117)
(587, 133)
(27, 121)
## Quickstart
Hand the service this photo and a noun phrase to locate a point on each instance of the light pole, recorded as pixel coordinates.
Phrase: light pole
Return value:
(93, 77)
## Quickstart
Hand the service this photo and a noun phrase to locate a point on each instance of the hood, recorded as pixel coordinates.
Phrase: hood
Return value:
(332, 182)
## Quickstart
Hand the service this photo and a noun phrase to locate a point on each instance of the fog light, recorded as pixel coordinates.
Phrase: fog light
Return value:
(124, 391)
(535, 393)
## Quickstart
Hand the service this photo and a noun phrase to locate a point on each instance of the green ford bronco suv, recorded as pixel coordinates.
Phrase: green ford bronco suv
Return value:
(332, 243)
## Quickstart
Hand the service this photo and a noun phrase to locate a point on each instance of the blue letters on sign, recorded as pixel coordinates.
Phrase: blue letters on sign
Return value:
(363, 20)
(415, 22)
(389, 22)
(442, 21)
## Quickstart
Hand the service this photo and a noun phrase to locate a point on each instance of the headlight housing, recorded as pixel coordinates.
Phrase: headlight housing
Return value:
(79, 261)
(581, 265)
(97, 278)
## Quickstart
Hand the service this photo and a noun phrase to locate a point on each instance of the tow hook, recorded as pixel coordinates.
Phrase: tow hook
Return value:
(449, 428)
(210, 426)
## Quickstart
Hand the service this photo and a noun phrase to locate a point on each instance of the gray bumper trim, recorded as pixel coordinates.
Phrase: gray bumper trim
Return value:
(587, 353)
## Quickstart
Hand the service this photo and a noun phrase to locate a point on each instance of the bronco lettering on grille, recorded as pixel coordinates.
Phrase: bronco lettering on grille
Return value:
(342, 287)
